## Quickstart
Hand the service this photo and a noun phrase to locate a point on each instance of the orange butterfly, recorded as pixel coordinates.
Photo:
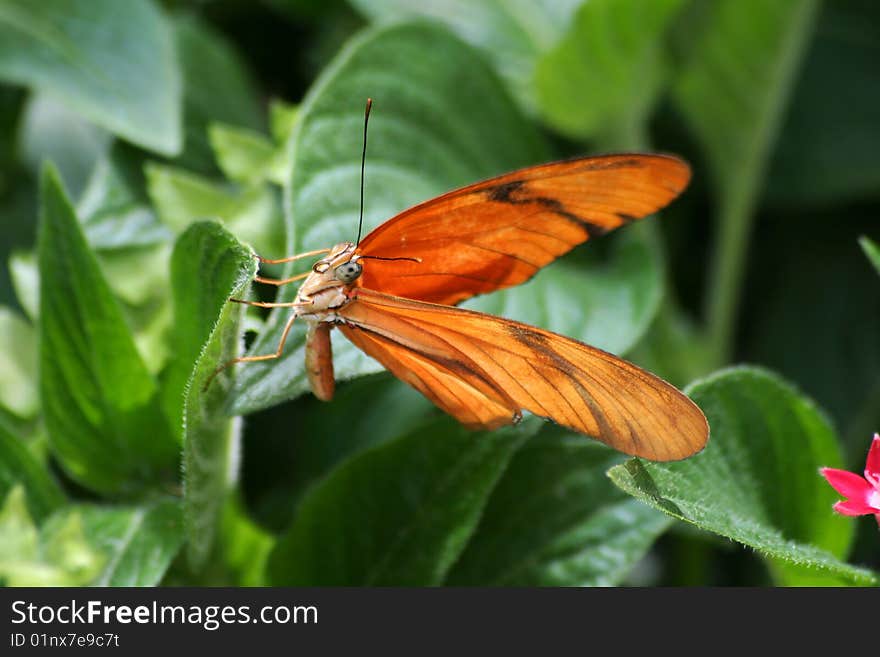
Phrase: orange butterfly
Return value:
(391, 294)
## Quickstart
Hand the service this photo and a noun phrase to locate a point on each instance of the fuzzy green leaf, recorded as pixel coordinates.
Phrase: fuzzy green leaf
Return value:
(398, 514)
(208, 266)
(364, 412)
(572, 528)
(757, 481)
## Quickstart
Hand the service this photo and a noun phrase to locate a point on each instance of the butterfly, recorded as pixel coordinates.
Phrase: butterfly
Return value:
(394, 295)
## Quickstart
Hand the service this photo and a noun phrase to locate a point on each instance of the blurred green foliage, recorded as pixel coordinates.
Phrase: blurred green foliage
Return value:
(147, 149)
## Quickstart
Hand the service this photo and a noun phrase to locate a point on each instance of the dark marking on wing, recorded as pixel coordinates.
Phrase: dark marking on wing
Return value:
(457, 367)
(508, 193)
(633, 435)
(503, 193)
(538, 342)
(524, 335)
(626, 218)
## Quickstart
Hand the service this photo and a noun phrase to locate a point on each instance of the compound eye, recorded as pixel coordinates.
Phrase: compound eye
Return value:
(348, 272)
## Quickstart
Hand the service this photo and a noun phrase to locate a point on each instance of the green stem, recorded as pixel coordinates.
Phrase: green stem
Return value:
(734, 226)
(740, 184)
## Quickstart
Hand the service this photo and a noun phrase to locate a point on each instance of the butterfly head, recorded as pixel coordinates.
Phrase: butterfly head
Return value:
(339, 268)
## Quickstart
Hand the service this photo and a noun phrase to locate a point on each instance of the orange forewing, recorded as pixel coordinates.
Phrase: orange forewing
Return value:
(484, 369)
(499, 232)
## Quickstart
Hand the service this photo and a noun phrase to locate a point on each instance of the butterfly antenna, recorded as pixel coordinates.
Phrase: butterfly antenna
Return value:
(363, 164)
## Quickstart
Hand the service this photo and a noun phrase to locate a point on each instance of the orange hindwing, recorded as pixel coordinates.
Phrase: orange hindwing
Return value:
(483, 369)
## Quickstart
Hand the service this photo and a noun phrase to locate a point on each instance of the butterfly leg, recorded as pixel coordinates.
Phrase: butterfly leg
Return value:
(298, 256)
(285, 281)
(281, 281)
(253, 359)
(269, 304)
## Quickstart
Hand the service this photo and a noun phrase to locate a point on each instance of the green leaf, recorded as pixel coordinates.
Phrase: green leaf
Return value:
(246, 156)
(58, 556)
(113, 62)
(603, 76)
(757, 481)
(87, 544)
(282, 118)
(113, 207)
(217, 87)
(18, 364)
(245, 545)
(555, 519)
(98, 399)
(30, 432)
(138, 543)
(131, 246)
(511, 34)
(26, 282)
(828, 146)
(431, 129)
(398, 514)
(181, 198)
(52, 131)
(208, 266)
(872, 251)
(138, 276)
(363, 413)
(19, 467)
(604, 299)
(19, 542)
(732, 92)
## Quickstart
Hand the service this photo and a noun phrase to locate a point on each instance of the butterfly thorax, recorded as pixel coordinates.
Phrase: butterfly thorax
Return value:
(326, 288)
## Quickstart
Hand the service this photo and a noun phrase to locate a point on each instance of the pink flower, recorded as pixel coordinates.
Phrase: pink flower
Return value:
(863, 495)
